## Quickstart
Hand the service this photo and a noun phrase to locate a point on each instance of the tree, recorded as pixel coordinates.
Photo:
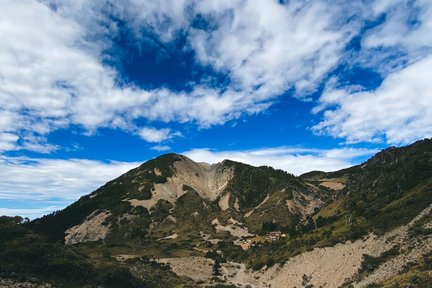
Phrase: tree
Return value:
(216, 268)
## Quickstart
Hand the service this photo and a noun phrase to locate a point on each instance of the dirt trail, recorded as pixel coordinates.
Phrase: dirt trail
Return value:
(259, 205)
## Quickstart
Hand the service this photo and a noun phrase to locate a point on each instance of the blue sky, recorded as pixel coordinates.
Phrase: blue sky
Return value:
(90, 89)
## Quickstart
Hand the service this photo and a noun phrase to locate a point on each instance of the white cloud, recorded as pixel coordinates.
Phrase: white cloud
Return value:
(292, 160)
(155, 135)
(399, 29)
(398, 111)
(54, 183)
(161, 148)
(40, 179)
(30, 213)
(268, 48)
(51, 184)
(53, 74)
(8, 141)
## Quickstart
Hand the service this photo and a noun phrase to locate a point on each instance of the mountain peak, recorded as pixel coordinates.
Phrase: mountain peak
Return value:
(172, 205)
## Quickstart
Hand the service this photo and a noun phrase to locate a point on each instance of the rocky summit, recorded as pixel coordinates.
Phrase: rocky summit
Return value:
(172, 222)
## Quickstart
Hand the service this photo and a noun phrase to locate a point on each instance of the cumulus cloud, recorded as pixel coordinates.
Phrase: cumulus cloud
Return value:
(292, 160)
(268, 48)
(155, 135)
(398, 111)
(53, 73)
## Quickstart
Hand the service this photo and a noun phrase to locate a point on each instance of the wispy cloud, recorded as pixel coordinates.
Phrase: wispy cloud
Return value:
(397, 112)
(51, 184)
(292, 160)
(161, 148)
(31, 213)
(42, 179)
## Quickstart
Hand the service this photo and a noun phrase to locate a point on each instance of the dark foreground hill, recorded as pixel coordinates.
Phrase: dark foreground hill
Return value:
(174, 222)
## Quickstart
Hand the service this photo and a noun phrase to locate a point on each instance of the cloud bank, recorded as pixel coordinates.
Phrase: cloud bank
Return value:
(292, 160)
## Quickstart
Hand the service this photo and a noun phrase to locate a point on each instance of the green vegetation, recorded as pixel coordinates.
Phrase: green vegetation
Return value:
(371, 263)
(25, 253)
(135, 184)
(417, 275)
(250, 185)
(391, 188)
(383, 193)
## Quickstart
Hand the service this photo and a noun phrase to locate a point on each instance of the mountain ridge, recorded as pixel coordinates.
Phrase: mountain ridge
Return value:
(171, 208)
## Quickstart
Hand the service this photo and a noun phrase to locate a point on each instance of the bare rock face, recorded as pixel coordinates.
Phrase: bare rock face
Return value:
(194, 213)
(209, 181)
(322, 267)
(92, 229)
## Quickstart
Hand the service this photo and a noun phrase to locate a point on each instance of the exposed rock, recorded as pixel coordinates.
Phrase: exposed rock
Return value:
(236, 205)
(259, 205)
(172, 236)
(196, 268)
(92, 229)
(234, 227)
(323, 267)
(414, 249)
(303, 204)
(334, 185)
(207, 180)
(224, 202)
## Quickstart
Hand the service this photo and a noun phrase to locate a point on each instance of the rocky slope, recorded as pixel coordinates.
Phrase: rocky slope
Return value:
(173, 195)
(355, 227)
(336, 266)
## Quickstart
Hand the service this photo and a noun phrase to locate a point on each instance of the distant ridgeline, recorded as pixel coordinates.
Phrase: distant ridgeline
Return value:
(173, 208)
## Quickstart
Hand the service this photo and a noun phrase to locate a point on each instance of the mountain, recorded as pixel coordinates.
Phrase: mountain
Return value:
(173, 195)
(208, 225)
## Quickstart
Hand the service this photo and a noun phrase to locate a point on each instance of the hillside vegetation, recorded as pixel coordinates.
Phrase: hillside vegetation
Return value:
(173, 208)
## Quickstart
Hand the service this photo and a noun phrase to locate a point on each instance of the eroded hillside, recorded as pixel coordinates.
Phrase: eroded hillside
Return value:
(366, 224)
